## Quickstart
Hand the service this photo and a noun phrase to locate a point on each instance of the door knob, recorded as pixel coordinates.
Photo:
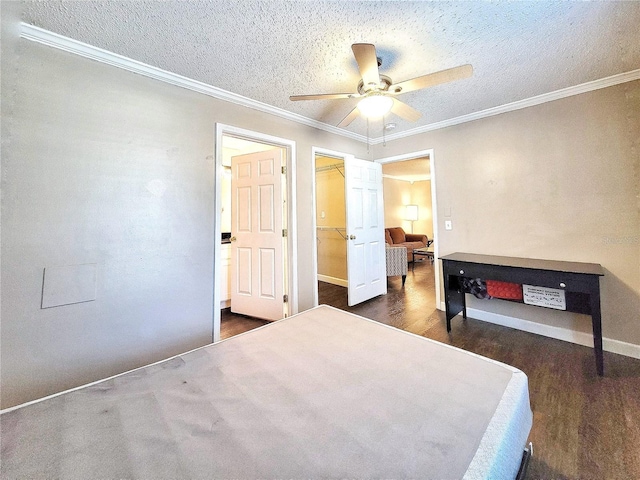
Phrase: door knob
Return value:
(352, 237)
(232, 239)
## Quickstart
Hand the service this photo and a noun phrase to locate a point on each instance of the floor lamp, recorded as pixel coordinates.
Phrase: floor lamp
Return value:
(411, 214)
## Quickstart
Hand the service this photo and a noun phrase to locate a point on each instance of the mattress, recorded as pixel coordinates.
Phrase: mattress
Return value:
(321, 394)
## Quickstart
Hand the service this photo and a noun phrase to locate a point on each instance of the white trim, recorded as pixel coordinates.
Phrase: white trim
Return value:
(621, 348)
(217, 234)
(434, 219)
(424, 178)
(45, 37)
(559, 333)
(520, 104)
(406, 156)
(332, 280)
(292, 226)
(314, 225)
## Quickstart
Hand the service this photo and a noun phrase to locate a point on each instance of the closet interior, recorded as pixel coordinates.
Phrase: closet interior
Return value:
(331, 220)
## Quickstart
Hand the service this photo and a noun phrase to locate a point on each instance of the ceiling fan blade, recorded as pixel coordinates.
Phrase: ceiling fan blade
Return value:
(323, 96)
(349, 118)
(405, 111)
(365, 54)
(443, 76)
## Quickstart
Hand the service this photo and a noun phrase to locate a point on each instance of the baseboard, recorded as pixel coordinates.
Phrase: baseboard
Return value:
(559, 333)
(333, 280)
(621, 348)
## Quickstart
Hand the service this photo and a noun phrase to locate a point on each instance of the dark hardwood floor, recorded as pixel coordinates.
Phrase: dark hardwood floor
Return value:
(233, 324)
(584, 426)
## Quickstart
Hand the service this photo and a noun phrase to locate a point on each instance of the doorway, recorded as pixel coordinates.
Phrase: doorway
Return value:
(348, 222)
(277, 156)
(417, 169)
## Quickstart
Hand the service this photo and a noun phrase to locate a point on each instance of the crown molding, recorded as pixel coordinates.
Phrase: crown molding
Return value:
(51, 39)
(520, 104)
(401, 178)
(45, 37)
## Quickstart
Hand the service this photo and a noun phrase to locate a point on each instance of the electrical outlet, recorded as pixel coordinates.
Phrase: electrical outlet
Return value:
(448, 225)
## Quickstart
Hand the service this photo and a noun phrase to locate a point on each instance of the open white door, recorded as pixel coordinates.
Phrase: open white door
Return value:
(257, 272)
(366, 269)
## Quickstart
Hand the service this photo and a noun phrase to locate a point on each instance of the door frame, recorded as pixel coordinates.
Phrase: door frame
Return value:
(314, 255)
(434, 207)
(289, 146)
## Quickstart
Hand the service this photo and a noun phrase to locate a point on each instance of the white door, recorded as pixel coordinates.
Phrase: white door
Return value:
(257, 272)
(366, 269)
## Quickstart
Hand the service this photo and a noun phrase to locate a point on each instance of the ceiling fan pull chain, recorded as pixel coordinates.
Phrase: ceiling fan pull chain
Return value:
(384, 137)
(367, 135)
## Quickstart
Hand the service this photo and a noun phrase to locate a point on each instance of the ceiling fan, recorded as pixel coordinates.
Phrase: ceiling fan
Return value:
(377, 92)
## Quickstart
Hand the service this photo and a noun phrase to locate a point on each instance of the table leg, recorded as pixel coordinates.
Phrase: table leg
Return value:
(454, 301)
(596, 321)
(447, 301)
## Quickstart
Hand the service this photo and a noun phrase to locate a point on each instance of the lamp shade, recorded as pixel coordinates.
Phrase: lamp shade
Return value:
(411, 212)
(375, 105)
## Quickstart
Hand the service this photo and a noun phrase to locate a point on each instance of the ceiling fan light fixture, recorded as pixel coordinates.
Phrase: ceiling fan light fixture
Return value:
(377, 92)
(373, 106)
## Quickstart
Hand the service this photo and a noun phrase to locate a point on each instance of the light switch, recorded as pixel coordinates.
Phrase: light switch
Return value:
(322, 215)
(448, 225)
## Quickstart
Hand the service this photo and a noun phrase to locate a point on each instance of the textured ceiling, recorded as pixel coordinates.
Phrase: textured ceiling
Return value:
(268, 50)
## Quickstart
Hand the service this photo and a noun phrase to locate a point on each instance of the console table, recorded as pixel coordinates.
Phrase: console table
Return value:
(580, 282)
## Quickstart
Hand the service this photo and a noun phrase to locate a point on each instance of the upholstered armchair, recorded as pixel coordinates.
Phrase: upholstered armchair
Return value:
(396, 261)
(396, 236)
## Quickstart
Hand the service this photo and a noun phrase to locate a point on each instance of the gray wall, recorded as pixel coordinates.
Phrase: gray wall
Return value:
(559, 181)
(102, 166)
